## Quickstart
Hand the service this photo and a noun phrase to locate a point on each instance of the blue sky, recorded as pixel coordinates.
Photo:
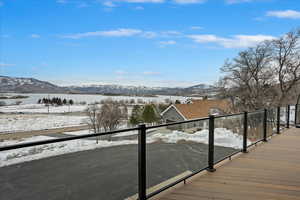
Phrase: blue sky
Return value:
(134, 42)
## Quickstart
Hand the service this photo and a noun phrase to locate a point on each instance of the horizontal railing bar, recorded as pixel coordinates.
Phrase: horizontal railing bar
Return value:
(255, 143)
(234, 153)
(175, 183)
(256, 111)
(29, 144)
(177, 123)
(229, 115)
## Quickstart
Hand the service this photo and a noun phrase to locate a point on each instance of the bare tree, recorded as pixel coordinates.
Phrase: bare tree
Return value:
(248, 78)
(286, 57)
(263, 76)
(92, 112)
(106, 117)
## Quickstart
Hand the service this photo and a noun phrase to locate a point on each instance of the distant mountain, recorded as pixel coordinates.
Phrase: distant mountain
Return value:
(31, 85)
(28, 85)
(203, 89)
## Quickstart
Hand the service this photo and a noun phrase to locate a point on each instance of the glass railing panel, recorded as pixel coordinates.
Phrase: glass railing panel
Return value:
(255, 126)
(297, 112)
(271, 121)
(102, 167)
(228, 136)
(174, 152)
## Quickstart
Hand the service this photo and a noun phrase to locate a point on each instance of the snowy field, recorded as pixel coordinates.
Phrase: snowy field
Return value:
(14, 123)
(223, 137)
(40, 108)
(33, 98)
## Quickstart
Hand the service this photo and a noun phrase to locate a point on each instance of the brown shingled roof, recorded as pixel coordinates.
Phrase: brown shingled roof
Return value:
(201, 108)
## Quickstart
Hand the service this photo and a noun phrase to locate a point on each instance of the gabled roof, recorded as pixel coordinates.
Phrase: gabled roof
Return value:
(173, 106)
(200, 108)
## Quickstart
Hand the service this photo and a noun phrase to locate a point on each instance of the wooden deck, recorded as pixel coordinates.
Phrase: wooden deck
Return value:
(269, 171)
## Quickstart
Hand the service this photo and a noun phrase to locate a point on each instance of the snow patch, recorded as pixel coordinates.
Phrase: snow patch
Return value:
(40, 108)
(42, 151)
(223, 137)
(13, 123)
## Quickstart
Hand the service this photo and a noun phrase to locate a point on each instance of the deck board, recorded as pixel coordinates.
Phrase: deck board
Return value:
(269, 171)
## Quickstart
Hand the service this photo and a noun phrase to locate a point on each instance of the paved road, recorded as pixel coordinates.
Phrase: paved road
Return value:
(102, 174)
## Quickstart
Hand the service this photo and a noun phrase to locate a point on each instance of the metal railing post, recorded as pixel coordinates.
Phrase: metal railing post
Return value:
(278, 120)
(211, 144)
(245, 132)
(296, 109)
(265, 125)
(288, 117)
(142, 162)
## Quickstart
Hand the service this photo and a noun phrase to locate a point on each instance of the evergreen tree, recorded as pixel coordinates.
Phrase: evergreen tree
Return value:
(71, 102)
(135, 117)
(59, 102)
(64, 102)
(149, 114)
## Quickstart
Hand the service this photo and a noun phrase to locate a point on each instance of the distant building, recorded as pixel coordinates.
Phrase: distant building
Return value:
(194, 109)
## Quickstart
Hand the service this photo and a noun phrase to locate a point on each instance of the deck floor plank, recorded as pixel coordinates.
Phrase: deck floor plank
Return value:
(269, 171)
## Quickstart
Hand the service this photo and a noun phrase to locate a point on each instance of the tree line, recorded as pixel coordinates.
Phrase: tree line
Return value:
(55, 101)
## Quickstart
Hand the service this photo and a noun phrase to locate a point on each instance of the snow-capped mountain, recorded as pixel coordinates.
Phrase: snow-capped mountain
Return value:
(27, 85)
(31, 85)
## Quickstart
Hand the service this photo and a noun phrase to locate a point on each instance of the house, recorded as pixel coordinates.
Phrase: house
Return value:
(194, 109)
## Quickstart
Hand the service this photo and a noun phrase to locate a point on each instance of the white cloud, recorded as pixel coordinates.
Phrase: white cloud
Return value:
(149, 34)
(169, 42)
(122, 32)
(112, 33)
(35, 36)
(189, 1)
(151, 73)
(291, 14)
(5, 64)
(170, 34)
(237, 41)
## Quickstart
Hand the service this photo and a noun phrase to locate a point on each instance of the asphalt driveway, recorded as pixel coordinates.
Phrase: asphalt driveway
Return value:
(102, 174)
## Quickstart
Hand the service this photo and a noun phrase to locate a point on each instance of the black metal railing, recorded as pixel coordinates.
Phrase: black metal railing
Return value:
(250, 123)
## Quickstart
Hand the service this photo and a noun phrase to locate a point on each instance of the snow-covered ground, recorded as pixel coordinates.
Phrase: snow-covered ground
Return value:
(13, 123)
(33, 98)
(48, 150)
(223, 137)
(40, 108)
